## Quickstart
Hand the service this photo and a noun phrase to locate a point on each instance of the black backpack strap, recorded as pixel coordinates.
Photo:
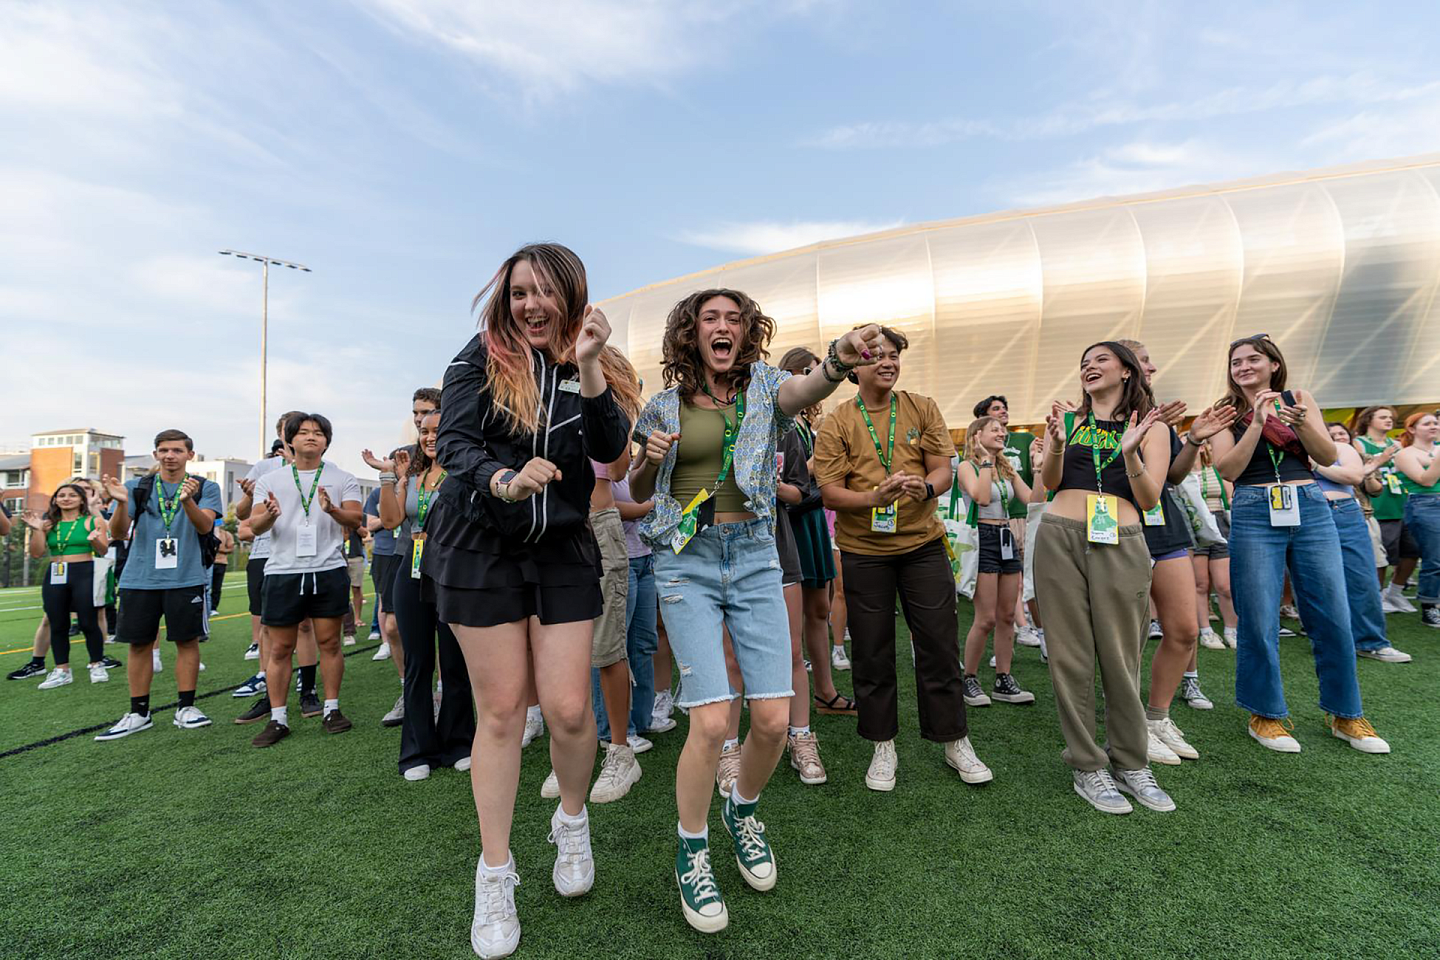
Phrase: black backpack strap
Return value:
(143, 489)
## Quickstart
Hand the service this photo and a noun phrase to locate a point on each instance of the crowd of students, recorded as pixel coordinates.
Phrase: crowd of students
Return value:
(557, 547)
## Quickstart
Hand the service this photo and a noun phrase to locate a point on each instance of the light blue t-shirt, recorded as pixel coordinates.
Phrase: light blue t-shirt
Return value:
(384, 540)
(140, 572)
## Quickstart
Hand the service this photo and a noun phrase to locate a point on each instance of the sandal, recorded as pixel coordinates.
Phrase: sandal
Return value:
(840, 706)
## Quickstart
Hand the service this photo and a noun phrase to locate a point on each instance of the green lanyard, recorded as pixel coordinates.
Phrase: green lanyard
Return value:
(169, 508)
(423, 499)
(1275, 460)
(62, 535)
(732, 431)
(1205, 487)
(885, 458)
(806, 437)
(304, 500)
(1095, 450)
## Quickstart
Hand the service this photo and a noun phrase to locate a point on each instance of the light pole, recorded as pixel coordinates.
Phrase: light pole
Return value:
(264, 329)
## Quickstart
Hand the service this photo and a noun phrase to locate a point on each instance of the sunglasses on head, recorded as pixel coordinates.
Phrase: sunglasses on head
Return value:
(1253, 336)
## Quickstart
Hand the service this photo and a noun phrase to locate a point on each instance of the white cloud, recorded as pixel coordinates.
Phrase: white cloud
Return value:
(766, 236)
(1129, 168)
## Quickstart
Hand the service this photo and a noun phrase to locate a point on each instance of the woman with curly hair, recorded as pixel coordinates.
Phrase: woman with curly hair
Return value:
(524, 409)
(67, 531)
(710, 439)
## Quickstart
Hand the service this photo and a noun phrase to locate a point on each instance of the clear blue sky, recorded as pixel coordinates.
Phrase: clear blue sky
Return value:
(401, 148)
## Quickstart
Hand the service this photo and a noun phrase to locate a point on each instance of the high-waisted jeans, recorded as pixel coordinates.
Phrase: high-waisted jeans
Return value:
(1362, 589)
(1422, 518)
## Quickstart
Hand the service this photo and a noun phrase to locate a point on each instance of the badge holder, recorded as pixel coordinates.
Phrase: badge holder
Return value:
(1284, 507)
(1007, 543)
(1100, 523)
(1392, 483)
(1155, 516)
(59, 573)
(415, 555)
(699, 514)
(885, 519)
(167, 553)
(306, 541)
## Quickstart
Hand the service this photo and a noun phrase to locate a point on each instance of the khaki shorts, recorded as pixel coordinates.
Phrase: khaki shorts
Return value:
(1377, 542)
(608, 645)
(356, 568)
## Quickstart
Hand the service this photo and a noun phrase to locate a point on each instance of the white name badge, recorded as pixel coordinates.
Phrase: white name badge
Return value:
(1007, 544)
(885, 519)
(167, 553)
(570, 386)
(305, 541)
(59, 573)
(1284, 506)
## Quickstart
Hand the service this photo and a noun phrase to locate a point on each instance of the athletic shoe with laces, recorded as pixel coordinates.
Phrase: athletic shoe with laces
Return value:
(1006, 690)
(1430, 616)
(700, 899)
(574, 871)
(1157, 750)
(638, 743)
(274, 732)
(550, 789)
(383, 653)
(619, 771)
(495, 930)
(660, 724)
(960, 755)
(259, 710)
(310, 705)
(752, 851)
(396, 716)
(883, 765)
(1395, 596)
(1285, 631)
(249, 688)
(1173, 737)
(110, 663)
(190, 718)
(98, 673)
(252, 652)
(417, 773)
(1385, 654)
(1193, 696)
(534, 726)
(26, 672)
(1141, 785)
(56, 678)
(1155, 632)
(335, 722)
(1274, 734)
(974, 693)
(1097, 788)
(463, 764)
(128, 724)
(1289, 611)
(1232, 637)
(728, 770)
(1211, 640)
(838, 660)
(664, 705)
(804, 749)
(1357, 732)
(348, 640)
(1027, 636)
(1044, 651)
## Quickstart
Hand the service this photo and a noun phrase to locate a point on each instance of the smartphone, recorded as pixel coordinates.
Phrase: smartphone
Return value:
(1288, 398)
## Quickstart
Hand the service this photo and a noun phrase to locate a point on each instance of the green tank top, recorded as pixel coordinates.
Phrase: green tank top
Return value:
(1389, 503)
(71, 536)
(1411, 487)
(697, 464)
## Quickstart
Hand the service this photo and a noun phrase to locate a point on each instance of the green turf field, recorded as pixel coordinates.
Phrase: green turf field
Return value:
(192, 844)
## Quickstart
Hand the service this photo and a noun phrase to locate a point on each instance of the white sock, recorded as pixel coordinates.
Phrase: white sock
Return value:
(1192, 674)
(505, 867)
(799, 731)
(331, 706)
(280, 715)
(731, 743)
(564, 817)
(533, 713)
(704, 833)
(738, 800)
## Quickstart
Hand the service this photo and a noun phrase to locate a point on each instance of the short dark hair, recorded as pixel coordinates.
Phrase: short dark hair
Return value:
(896, 338)
(982, 409)
(292, 426)
(164, 435)
(429, 394)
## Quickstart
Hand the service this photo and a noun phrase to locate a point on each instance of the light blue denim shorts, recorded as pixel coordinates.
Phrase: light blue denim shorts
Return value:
(728, 575)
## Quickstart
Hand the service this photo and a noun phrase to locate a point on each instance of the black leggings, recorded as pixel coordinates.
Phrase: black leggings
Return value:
(422, 739)
(76, 595)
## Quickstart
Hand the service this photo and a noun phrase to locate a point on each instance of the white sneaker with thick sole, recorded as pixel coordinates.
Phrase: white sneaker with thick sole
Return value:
(1173, 737)
(664, 705)
(1157, 751)
(619, 771)
(190, 718)
(838, 660)
(1385, 654)
(881, 775)
(421, 772)
(638, 743)
(960, 755)
(1211, 640)
(574, 872)
(98, 674)
(1027, 636)
(550, 789)
(661, 724)
(56, 678)
(495, 930)
(1232, 637)
(534, 726)
(128, 724)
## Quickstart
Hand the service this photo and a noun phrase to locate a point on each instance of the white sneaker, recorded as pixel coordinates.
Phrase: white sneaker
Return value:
(1027, 636)
(98, 674)
(661, 725)
(534, 726)
(961, 755)
(664, 705)
(56, 678)
(1173, 737)
(421, 772)
(1399, 599)
(383, 653)
(190, 718)
(1388, 603)
(550, 789)
(881, 775)
(463, 764)
(1385, 654)
(396, 716)
(374, 635)
(1210, 640)
(1289, 611)
(128, 724)
(619, 771)
(348, 640)
(155, 663)
(1232, 637)
(1155, 632)
(252, 652)
(838, 660)
(495, 931)
(1157, 751)
(574, 872)
(1141, 785)
(638, 743)
(1097, 788)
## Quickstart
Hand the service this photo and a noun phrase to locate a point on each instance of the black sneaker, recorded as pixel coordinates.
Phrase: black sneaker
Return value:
(1429, 615)
(1007, 690)
(310, 705)
(273, 733)
(337, 722)
(26, 672)
(259, 710)
(974, 693)
(110, 663)
(74, 629)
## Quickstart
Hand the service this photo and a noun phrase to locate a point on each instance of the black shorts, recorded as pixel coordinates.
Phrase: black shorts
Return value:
(182, 607)
(1399, 544)
(254, 580)
(288, 598)
(990, 557)
(382, 574)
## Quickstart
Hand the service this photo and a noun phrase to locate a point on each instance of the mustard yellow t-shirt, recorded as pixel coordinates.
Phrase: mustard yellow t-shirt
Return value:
(845, 453)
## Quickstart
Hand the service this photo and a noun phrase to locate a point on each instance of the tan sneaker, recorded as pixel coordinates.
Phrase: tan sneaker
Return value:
(1274, 734)
(805, 757)
(729, 770)
(1358, 733)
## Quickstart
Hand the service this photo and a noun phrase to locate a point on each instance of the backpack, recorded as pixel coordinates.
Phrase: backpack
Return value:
(209, 542)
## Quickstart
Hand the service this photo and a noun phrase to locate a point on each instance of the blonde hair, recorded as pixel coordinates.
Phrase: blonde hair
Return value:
(975, 454)
(623, 380)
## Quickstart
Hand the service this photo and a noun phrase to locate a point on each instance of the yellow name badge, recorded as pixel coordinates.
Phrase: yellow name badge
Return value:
(1101, 518)
(689, 520)
(885, 519)
(415, 556)
(1392, 483)
(1155, 516)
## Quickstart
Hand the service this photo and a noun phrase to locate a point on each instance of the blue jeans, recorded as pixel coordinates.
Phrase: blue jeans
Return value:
(1362, 588)
(641, 641)
(1259, 554)
(1422, 518)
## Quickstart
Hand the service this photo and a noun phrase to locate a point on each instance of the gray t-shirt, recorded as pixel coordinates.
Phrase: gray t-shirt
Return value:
(260, 546)
(285, 536)
(140, 569)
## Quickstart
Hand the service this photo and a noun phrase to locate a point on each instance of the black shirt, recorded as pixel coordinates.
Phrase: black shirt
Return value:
(1079, 463)
(1174, 533)
(1261, 470)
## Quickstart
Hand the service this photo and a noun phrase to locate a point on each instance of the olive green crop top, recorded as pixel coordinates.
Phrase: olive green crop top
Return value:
(697, 462)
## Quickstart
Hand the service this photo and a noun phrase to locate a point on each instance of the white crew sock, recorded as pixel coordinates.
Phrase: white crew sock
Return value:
(280, 715)
(1192, 674)
(581, 817)
(738, 800)
(704, 833)
(331, 706)
(505, 867)
(731, 743)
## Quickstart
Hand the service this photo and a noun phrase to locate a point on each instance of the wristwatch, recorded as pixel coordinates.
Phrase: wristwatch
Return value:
(502, 490)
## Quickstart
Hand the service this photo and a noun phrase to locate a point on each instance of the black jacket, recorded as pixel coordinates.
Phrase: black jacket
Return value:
(475, 442)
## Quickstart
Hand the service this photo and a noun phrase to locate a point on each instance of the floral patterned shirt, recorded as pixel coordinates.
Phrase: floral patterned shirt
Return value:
(765, 423)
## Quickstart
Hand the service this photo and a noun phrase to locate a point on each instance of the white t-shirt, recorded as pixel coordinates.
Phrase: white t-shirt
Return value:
(285, 534)
(260, 546)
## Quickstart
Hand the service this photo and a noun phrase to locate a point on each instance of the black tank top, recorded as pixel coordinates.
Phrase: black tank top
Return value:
(1174, 534)
(1079, 464)
(1260, 470)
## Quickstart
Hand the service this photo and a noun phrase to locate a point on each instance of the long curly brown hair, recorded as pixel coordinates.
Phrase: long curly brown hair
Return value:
(683, 366)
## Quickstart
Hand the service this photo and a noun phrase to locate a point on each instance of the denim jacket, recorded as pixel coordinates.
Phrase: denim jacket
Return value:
(765, 424)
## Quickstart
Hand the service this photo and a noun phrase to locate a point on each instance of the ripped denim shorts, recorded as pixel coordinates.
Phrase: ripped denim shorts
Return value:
(728, 575)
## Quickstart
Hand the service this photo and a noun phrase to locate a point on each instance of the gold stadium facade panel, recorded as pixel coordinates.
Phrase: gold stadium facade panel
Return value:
(1340, 266)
